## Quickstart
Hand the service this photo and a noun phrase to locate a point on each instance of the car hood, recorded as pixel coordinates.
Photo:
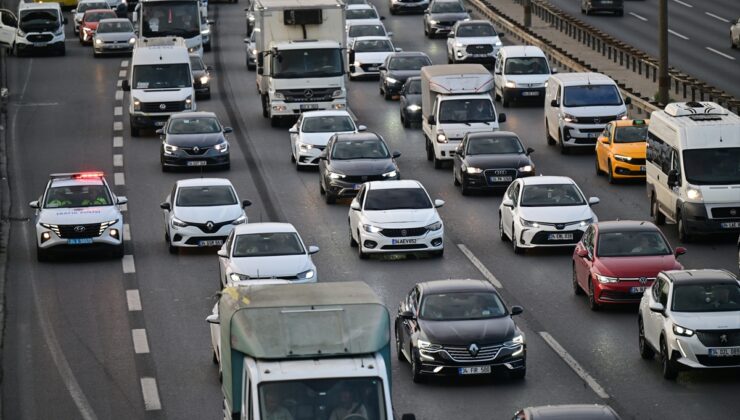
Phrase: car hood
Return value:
(708, 320)
(559, 214)
(91, 25)
(464, 333)
(402, 75)
(647, 266)
(449, 17)
(720, 193)
(402, 218)
(471, 40)
(497, 161)
(372, 57)
(191, 140)
(456, 131)
(635, 150)
(318, 139)
(202, 214)
(596, 111)
(161, 95)
(82, 215)
(114, 36)
(275, 266)
(355, 167)
(413, 99)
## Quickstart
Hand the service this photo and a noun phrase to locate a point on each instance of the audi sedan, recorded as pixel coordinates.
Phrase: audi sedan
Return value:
(459, 328)
(194, 140)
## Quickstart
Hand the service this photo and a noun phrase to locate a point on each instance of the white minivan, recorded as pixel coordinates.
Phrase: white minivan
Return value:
(693, 168)
(578, 106)
(520, 74)
(39, 27)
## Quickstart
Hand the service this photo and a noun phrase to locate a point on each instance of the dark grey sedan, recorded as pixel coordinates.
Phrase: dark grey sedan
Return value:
(410, 102)
(194, 140)
(397, 68)
(442, 15)
(201, 77)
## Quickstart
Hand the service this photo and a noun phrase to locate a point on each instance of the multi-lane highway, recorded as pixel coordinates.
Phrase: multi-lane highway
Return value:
(69, 351)
(698, 40)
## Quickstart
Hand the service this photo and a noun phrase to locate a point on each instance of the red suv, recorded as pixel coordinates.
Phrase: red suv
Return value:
(616, 261)
(89, 23)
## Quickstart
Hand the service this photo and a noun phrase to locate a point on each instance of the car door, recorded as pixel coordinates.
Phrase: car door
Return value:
(602, 149)
(323, 162)
(553, 112)
(167, 214)
(653, 321)
(8, 27)
(223, 262)
(411, 325)
(355, 215)
(294, 136)
(457, 160)
(583, 265)
(508, 213)
(498, 77)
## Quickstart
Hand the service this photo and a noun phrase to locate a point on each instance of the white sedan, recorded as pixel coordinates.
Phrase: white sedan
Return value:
(201, 212)
(309, 135)
(257, 252)
(395, 216)
(367, 54)
(544, 211)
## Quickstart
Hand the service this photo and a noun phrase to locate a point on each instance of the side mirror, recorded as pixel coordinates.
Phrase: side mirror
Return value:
(293, 130)
(501, 34)
(121, 200)
(260, 60)
(582, 253)
(211, 22)
(554, 102)
(125, 86)
(507, 203)
(604, 140)
(396, 154)
(246, 40)
(361, 128)
(313, 249)
(516, 310)
(322, 156)
(389, 34)
(431, 120)
(529, 151)
(222, 253)
(497, 72)
(165, 206)
(406, 315)
(228, 130)
(355, 205)
(656, 307)
(213, 319)
(34, 204)
(593, 200)
(382, 18)
(450, 35)
(246, 203)
(673, 180)
(159, 131)
(399, 49)
(382, 67)
(502, 117)
(439, 203)
(679, 251)
(553, 70)
(627, 100)
(73, 11)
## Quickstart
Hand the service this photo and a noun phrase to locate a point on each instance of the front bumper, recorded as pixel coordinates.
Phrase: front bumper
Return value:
(581, 135)
(148, 120)
(281, 108)
(365, 70)
(375, 243)
(524, 94)
(393, 89)
(441, 28)
(622, 292)
(408, 5)
(697, 221)
(624, 170)
(694, 354)
(484, 180)
(445, 151)
(111, 48)
(55, 43)
(194, 237)
(202, 89)
(181, 159)
(440, 363)
(541, 237)
(111, 236)
(308, 157)
(462, 56)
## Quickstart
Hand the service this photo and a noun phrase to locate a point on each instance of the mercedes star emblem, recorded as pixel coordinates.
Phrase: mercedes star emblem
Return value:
(162, 106)
(79, 229)
(473, 349)
(308, 93)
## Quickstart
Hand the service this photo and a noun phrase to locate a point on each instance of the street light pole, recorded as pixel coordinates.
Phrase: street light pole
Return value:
(664, 82)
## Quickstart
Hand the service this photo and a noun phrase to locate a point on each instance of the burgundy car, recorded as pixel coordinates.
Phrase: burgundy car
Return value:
(89, 23)
(616, 261)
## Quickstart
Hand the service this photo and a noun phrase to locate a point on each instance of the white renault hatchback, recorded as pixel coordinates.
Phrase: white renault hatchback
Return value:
(309, 135)
(265, 251)
(544, 211)
(395, 216)
(201, 212)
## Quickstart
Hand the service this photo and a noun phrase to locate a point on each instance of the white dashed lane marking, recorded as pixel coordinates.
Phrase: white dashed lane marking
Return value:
(117, 126)
(126, 232)
(672, 32)
(480, 266)
(577, 368)
(717, 17)
(729, 57)
(119, 178)
(118, 111)
(141, 344)
(151, 394)
(119, 84)
(119, 95)
(124, 63)
(117, 160)
(133, 300)
(644, 19)
(117, 141)
(128, 264)
(122, 73)
(683, 3)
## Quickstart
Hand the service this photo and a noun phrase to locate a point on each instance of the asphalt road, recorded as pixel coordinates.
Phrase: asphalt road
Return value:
(698, 41)
(69, 351)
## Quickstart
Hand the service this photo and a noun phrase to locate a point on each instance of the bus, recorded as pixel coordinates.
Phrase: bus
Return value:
(158, 18)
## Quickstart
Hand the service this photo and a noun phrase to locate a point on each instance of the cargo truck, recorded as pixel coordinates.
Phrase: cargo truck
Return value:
(455, 100)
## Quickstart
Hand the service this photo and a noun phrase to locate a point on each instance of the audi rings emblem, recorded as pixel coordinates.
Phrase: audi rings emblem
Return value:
(79, 229)
(162, 106)
(308, 93)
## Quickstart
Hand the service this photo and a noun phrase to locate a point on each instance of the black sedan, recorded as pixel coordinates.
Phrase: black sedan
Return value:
(459, 328)
(490, 161)
(410, 102)
(397, 68)
(350, 159)
(201, 77)
(194, 139)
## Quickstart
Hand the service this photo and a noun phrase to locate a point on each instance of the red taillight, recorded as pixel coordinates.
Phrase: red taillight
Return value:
(88, 175)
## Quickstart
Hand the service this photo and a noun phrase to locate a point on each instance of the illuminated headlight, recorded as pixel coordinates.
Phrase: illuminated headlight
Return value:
(498, 44)
(20, 33)
(471, 170)
(623, 158)
(466, 19)
(339, 93)
(205, 31)
(240, 220)
(441, 138)
(391, 174)
(459, 44)
(305, 147)
(371, 228)
(86, 30)
(606, 279)
(59, 31)
(679, 330)
(106, 225)
(622, 116)
(427, 346)
(179, 223)
(339, 106)
(586, 222)
(137, 104)
(526, 168)
(251, 18)
(306, 275)
(694, 193)
(189, 102)
(236, 277)
(278, 95)
(357, 63)
(53, 228)
(414, 108)
(391, 80)
(254, 51)
(434, 226)
(98, 41)
(132, 40)
(279, 108)
(510, 84)
(527, 223)
(518, 340)
(204, 80)
(570, 118)
(433, 22)
(169, 149)
(192, 49)
(222, 147)
(335, 175)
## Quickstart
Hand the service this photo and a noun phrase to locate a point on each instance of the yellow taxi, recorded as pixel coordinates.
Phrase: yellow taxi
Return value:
(621, 148)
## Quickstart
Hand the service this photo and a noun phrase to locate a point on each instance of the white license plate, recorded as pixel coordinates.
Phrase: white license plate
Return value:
(531, 93)
(305, 107)
(637, 289)
(372, 69)
(501, 179)
(197, 163)
(212, 242)
(474, 370)
(724, 352)
(39, 44)
(560, 236)
(593, 135)
(159, 123)
(79, 241)
(403, 241)
(730, 225)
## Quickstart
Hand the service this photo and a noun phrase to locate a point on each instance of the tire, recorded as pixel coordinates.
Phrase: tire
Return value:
(596, 166)
(135, 131)
(42, 255)
(62, 51)
(658, 217)
(683, 235)
(360, 253)
(352, 242)
(464, 189)
(455, 181)
(226, 166)
(592, 304)
(322, 191)
(670, 370)
(620, 13)
(501, 233)
(430, 151)
(646, 352)
(265, 112)
(574, 280)
(118, 251)
(563, 149)
(504, 102)
(437, 254)
(330, 198)
(274, 121)
(610, 173)
(214, 359)
(399, 353)
(173, 249)
(514, 245)
(550, 141)
(387, 96)
(405, 121)
(426, 31)
(416, 374)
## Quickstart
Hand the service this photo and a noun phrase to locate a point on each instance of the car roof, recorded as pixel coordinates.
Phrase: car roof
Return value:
(409, 54)
(91, 11)
(360, 6)
(583, 78)
(325, 113)
(366, 135)
(194, 114)
(456, 285)
(491, 134)
(67, 182)
(625, 226)
(203, 182)
(371, 38)
(627, 123)
(540, 180)
(571, 412)
(114, 20)
(473, 22)
(391, 184)
(365, 22)
(40, 6)
(522, 51)
(269, 227)
(703, 276)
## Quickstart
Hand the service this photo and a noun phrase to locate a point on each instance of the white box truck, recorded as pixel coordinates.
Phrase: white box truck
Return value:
(302, 351)
(300, 65)
(455, 100)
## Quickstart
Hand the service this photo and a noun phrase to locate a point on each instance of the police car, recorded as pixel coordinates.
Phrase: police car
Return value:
(78, 210)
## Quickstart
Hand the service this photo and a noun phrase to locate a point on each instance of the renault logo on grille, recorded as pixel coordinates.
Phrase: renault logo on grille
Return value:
(162, 106)
(643, 280)
(196, 149)
(308, 93)
(473, 350)
(209, 225)
(403, 232)
(723, 339)
(79, 229)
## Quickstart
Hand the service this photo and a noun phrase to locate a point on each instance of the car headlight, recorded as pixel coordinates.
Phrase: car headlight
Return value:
(179, 223)
(132, 40)
(339, 93)
(679, 330)
(59, 31)
(222, 147)
(86, 30)
(471, 170)
(371, 228)
(427, 346)
(498, 44)
(192, 50)
(527, 223)
(526, 168)
(694, 193)
(189, 102)
(459, 45)
(204, 79)
(586, 222)
(305, 147)
(169, 149)
(623, 158)
(391, 80)
(441, 138)
(510, 84)
(137, 104)
(357, 63)
(251, 18)
(466, 19)
(433, 22)
(606, 279)
(306, 275)
(570, 118)
(434, 226)
(335, 175)
(98, 41)
(20, 33)
(391, 174)
(278, 95)
(518, 340)
(205, 31)
(622, 116)
(236, 277)
(240, 220)
(414, 108)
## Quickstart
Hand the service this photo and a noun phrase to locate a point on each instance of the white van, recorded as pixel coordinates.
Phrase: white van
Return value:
(578, 106)
(520, 74)
(40, 27)
(693, 168)
(160, 82)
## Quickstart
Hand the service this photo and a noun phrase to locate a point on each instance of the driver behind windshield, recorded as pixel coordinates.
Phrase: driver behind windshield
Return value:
(349, 408)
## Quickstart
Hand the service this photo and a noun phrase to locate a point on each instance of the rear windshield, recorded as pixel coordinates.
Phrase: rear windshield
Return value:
(220, 195)
(366, 30)
(361, 14)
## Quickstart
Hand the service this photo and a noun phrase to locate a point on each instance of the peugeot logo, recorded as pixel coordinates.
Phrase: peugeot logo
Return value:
(723, 339)
(79, 229)
(308, 93)
(162, 106)
(209, 225)
(403, 232)
(196, 149)
(473, 350)
(597, 120)
(643, 280)
(733, 212)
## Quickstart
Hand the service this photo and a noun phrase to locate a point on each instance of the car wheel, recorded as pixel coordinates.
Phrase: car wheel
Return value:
(416, 368)
(135, 131)
(596, 166)
(646, 352)
(265, 112)
(360, 252)
(399, 345)
(352, 242)
(564, 150)
(658, 217)
(518, 374)
(517, 249)
(683, 234)
(504, 101)
(173, 249)
(322, 191)
(501, 233)
(550, 140)
(42, 255)
(330, 198)
(576, 287)
(117, 251)
(438, 254)
(610, 173)
(405, 121)
(455, 181)
(387, 95)
(438, 163)
(464, 189)
(670, 371)
(592, 303)
(426, 31)
(430, 151)
(620, 13)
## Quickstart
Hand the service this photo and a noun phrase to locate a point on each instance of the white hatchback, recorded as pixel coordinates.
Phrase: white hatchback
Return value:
(367, 54)
(309, 135)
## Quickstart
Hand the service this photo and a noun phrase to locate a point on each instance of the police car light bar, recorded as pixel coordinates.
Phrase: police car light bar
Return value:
(79, 175)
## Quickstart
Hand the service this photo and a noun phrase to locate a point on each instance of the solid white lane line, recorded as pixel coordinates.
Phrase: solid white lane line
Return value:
(117, 126)
(126, 232)
(124, 63)
(119, 95)
(117, 111)
(122, 73)
(128, 264)
(133, 300)
(117, 141)
(683, 3)
(644, 19)
(717, 17)
(672, 32)
(119, 178)
(577, 368)
(141, 344)
(117, 160)
(479, 265)
(151, 394)
(729, 57)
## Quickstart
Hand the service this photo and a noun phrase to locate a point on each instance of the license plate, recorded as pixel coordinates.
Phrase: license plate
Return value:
(372, 69)
(79, 241)
(637, 289)
(560, 236)
(474, 370)
(309, 106)
(403, 241)
(724, 352)
(159, 123)
(531, 93)
(197, 163)
(212, 242)
(593, 135)
(501, 179)
(39, 44)
(730, 225)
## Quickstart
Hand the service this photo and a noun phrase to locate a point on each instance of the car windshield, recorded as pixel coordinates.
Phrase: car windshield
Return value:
(551, 195)
(592, 95)
(97, 16)
(298, 64)
(631, 134)
(350, 2)
(202, 125)
(331, 398)
(359, 149)
(82, 7)
(408, 63)
(361, 14)
(632, 244)
(712, 166)
(196, 64)
(115, 27)
(366, 30)
(466, 111)
(413, 87)
(494, 145)
(526, 65)
(328, 124)
(77, 196)
(397, 199)
(267, 244)
(461, 306)
(216, 195)
(447, 7)
(475, 30)
(712, 297)
(162, 76)
(373, 45)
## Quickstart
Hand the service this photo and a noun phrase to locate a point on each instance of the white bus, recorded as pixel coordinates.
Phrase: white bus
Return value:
(181, 18)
